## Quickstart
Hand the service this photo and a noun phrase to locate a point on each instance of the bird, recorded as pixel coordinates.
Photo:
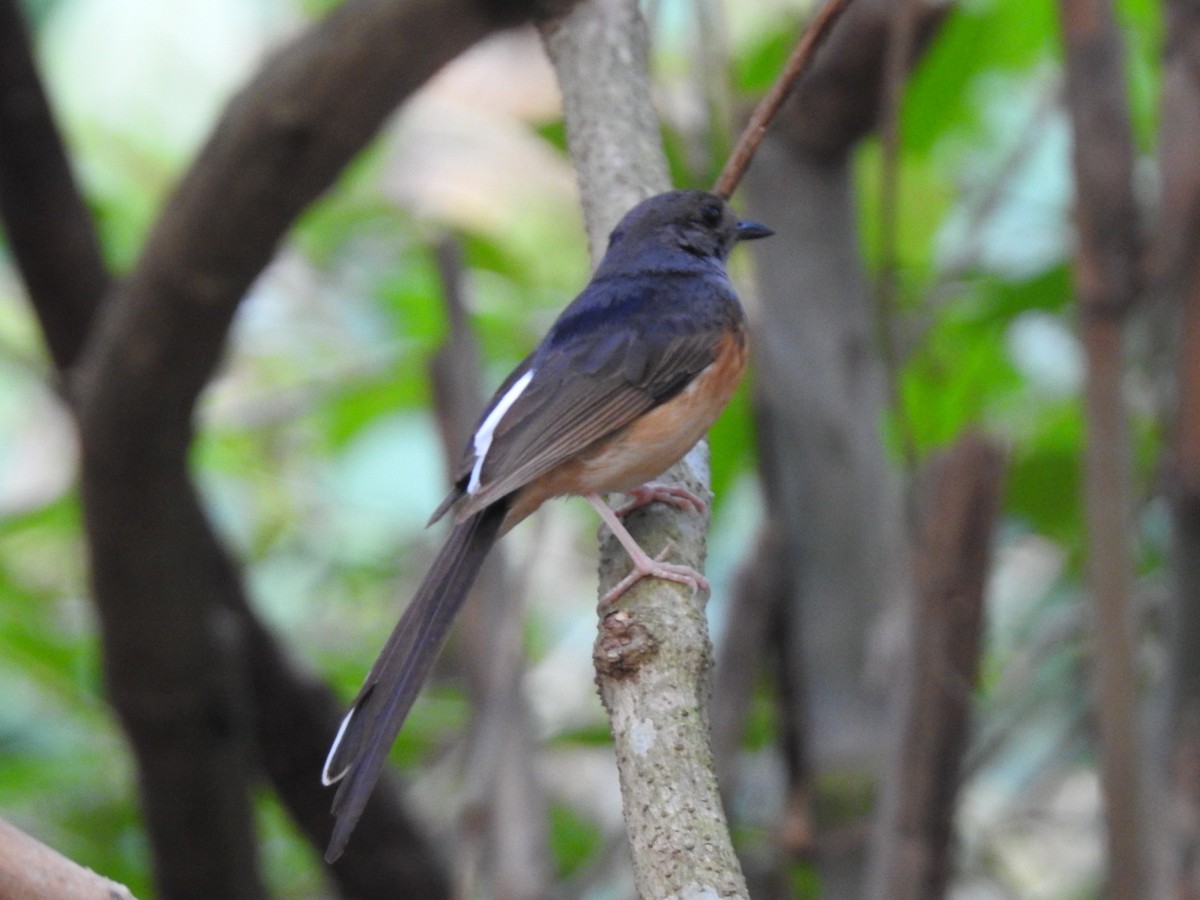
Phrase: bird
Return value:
(629, 377)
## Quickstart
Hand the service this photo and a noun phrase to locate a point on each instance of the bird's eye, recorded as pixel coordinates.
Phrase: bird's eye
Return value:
(711, 213)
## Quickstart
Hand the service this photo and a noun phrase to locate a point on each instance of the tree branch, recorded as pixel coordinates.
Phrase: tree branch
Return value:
(756, 129)
(58, 255)
(1175, 277)
(1106, 282)
(176, 661)
(830, 490)
(600, 52)
(29, 870)
(914, 834)
(652, 654)
(49, 228)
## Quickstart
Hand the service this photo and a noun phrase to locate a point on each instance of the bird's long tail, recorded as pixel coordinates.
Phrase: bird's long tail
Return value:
(370, 727)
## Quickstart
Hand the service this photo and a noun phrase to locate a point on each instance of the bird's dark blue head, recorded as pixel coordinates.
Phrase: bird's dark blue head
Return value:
(695, 222)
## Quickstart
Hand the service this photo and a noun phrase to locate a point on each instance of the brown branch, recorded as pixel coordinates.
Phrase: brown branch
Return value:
(281, 143)
(756, 129)
(59, 259)
(831, 493)
(1106, 282)
(838, 102)
(1175, 272)
(49, 228)
(175, 661)
(29, 870)
(57, 241)
(914, 836)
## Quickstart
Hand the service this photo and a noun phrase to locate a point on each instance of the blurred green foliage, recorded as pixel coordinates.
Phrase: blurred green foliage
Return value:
(318, 454)
(573, 840)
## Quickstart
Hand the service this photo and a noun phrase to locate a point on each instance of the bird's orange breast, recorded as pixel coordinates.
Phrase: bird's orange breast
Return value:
(650, 445)
(659, 439)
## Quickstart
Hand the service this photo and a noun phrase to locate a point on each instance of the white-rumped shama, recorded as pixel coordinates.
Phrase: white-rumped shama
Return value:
(631, 375)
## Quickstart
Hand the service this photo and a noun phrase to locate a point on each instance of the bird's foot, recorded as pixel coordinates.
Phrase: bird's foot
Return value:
(645, 567)
(673, 494)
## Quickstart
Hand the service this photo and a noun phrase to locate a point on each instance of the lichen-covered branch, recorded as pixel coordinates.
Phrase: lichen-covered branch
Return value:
(653, 657)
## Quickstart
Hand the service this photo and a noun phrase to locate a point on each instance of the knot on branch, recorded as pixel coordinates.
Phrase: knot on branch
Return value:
(623, 645)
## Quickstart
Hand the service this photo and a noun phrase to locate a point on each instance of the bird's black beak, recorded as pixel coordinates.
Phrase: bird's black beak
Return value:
(751, 231)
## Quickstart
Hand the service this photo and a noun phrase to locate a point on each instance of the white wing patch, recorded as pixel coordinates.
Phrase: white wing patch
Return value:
(483, 437)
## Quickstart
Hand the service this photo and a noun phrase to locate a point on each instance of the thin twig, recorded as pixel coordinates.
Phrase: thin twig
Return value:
(756, 129)
(901, 34)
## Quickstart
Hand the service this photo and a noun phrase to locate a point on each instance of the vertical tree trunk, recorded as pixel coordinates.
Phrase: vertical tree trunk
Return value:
(828, 483)
(821, 395)
(959, 496)
(1174, 272)
(1106, 283)
(652, 655)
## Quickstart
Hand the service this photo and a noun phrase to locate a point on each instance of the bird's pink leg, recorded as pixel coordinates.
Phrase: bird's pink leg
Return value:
(643, 565)
(674, 494)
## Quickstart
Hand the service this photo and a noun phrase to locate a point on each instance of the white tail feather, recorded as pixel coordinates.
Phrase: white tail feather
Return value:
(327, 777)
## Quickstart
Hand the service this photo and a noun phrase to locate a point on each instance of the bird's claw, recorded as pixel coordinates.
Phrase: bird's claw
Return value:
(656, 568)
(673, 494)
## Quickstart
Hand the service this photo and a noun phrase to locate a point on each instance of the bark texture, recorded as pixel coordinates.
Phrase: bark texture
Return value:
(600, 51)
(652, 654)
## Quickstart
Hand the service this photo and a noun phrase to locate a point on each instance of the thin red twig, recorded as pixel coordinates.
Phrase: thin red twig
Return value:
(756, 129)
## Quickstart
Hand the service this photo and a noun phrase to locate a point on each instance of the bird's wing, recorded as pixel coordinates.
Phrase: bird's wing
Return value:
(600, 369)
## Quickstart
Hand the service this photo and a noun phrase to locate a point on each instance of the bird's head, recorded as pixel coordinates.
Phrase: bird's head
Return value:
(697, 222)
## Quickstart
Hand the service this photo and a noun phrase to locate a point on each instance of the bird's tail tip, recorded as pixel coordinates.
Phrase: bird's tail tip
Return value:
(336, 763)
(335, 849)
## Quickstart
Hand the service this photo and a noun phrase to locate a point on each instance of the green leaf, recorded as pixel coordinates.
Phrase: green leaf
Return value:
(573, 839)
(1044, 480)
(976, 41)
